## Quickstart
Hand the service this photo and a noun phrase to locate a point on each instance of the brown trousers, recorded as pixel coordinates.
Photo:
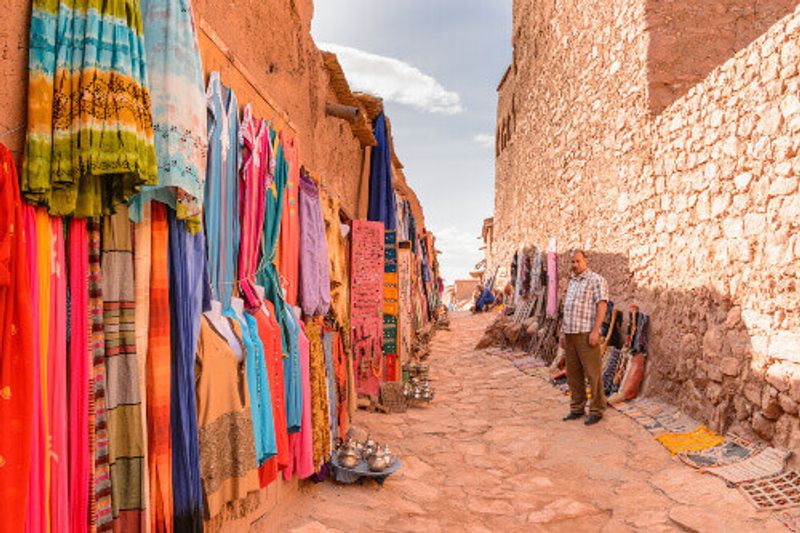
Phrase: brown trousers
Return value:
(584, 363)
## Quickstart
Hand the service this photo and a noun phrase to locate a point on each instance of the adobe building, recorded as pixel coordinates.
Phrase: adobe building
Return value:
(663, 136)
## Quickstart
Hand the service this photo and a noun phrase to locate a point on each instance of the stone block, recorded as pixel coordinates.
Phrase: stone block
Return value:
(733, 227)
(730, 366)
(753, 393)
(763, 427)
(754, 224)
(782, 186)
(787, 403)
(785, 345)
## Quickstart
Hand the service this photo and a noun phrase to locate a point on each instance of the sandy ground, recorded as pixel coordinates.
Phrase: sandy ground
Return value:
(492, 454)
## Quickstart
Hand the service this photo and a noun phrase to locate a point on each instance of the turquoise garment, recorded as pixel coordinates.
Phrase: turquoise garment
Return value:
(178, 100)
(258, 388)
(222, 190)
(292, 375)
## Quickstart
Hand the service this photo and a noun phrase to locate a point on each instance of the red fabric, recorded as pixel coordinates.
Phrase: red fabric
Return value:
(16, 352)
(270, 334)
(290, 224)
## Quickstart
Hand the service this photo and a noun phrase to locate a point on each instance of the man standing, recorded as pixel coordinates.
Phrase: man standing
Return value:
(584, 311)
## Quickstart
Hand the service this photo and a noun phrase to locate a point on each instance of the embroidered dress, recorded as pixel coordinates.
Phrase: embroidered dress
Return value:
(255, 178)
(17, 355)
(320, 414)
(301, 443)
(258, 387)
(315, 281)
(90, 141)
(290, 222)
(175, 77)
(222, 190)
(225, 427)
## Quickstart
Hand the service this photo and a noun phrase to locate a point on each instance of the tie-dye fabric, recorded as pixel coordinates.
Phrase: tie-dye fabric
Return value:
(90, 138)
(175, 78)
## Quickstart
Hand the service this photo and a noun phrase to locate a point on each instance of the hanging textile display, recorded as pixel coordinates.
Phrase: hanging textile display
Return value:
(85, 160)
(391, 307)
(79, 461)
(366, 312)
(225, 428)
(255, 179)
(405, 320)
(381, 193)
(222, 189)
(552, 285)
(341, 366)
(270, 333)
(177, 95)
(320, 414)
(328, 338)
(315, 283)
(17, 355)
(57, 382)
(186, 266)
(337, 258)
(301, 442)
(123, 407)
(290, 222)
(159, 380)
(141, 274)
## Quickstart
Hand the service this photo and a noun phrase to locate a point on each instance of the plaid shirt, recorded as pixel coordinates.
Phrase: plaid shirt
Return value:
(580, 305)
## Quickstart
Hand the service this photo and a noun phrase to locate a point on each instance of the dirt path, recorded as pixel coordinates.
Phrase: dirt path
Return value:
(492, 454)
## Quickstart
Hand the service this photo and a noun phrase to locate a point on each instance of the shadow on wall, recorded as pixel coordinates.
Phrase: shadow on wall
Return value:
(701, 355)
(689, 39)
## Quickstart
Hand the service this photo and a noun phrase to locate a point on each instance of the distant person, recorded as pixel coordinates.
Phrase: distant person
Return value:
(584, 311)
(485, 299)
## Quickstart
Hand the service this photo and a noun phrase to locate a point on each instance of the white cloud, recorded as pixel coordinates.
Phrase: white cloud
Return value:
(460, 252)
(395, 81)
(484, 140)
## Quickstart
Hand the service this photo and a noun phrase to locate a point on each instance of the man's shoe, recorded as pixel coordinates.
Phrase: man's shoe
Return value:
(593, 419)
(572, 416)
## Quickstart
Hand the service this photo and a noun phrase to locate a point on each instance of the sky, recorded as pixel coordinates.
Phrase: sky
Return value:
(436, 63)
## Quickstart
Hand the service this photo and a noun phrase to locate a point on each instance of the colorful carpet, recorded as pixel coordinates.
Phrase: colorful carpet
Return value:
(773, 493)
(699, 439)
(735, 449)
(767, 462)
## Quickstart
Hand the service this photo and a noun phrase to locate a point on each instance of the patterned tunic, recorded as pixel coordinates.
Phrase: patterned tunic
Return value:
(580, 304)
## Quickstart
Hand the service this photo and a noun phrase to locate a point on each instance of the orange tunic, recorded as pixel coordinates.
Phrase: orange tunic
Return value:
(289, 244)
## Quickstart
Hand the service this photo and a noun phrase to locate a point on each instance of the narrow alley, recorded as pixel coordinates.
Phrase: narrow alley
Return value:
(492, 454)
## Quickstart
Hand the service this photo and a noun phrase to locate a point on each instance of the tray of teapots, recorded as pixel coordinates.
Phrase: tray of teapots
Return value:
(418, 390)
(367, 458)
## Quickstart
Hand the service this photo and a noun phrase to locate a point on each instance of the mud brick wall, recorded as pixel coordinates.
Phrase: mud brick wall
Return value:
(676, 162)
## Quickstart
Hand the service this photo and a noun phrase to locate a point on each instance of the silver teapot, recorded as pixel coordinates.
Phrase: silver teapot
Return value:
(377, 461)
(349, 456)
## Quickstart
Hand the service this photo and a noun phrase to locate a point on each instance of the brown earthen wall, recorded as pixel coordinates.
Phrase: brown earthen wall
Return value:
(692, 211)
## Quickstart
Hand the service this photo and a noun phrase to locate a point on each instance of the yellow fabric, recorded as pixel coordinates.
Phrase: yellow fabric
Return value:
(699, 439)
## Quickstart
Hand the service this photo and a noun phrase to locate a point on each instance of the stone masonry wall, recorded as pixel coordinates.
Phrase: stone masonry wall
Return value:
(692, 213)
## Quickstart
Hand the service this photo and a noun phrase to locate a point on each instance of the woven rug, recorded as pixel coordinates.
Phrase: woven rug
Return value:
(767, 462)
(733, 450)
(699, 439)
(789, 518)
(659, 417)
(773, 493)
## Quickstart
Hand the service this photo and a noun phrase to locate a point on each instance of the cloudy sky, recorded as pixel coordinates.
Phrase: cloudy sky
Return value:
(437, 64)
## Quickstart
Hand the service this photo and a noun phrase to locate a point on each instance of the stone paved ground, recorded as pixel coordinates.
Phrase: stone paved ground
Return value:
(492, 454)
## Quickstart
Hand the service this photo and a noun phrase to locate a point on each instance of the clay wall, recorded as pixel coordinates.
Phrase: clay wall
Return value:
(680, 174)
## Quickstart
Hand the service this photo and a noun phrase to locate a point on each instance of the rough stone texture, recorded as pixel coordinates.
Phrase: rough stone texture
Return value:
(691, 210)
(492, 454)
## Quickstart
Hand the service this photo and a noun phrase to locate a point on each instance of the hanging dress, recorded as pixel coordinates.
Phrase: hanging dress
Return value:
(270, 334)
(222, 189)
(320, 413)
(381, 193)
(175, 76)
(90, 141)
(314, 278)
(290, 222)
(123, 404)
(225, 428)
(186, 265)
(301, 443)
(255, 177)
(17, 355)
(258, 387)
